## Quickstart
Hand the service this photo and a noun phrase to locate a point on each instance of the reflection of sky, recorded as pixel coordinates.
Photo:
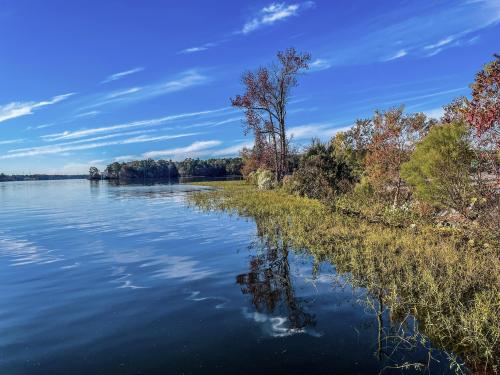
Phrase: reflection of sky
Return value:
(100, 266)
(147, 232)
(277, 326)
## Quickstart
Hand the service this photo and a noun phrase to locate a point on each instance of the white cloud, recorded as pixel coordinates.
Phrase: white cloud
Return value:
(397, 55)
(182, 81)
(63, 148)
(273, 13)
(194, 149)
(11, 141)
(320, 64)
(412, 29)
(441, 43)
(85, 114)
(79, 168)
(309, 131)
(125, 158)
(424, 96)
(142, 123)
(187, 79)
(18, 109)
(232, 150)
(194, 49)
(203, 47)
(119, 75)
(123, 92)
(451, 41)
(43, 126)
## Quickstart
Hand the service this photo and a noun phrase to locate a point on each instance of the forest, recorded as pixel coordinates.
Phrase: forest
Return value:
(168, 169)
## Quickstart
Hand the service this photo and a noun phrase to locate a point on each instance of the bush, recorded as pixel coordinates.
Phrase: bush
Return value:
(321, 175)
(310, 183)
(262, 178)
(265, 179)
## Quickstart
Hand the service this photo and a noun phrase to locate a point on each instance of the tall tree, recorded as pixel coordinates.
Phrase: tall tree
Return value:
(440, 168)
(394, 137)
(483, 110)
(265, 104)
(482, 114)
(94, 173)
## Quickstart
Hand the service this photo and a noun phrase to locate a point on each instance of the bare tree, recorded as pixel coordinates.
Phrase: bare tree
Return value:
(265, 101)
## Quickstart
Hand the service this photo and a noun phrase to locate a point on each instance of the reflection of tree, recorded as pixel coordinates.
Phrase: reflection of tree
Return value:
(270, 285)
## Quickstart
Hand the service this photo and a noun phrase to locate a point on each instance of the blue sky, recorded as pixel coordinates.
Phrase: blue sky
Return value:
(91, 82)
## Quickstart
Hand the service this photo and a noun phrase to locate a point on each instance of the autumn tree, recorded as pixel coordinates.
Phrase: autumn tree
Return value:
(265, 101)
(392, 140)
(440, 169)
(482, 114)
(483, 110)
(351, 146)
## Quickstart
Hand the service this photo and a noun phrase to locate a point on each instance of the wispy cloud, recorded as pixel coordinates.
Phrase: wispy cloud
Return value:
(267, 16)
(421, 30)
(201, 48)
(309, 131)
(194, 49)
(423, 96)
(450, 42)
(441, 43)
(99, 138)
(194, 149)
(11, 141)
(85, 114)
(232, 150)
(397, 55)
(125, 158)
(18, 109)
(134, 124)
(63, 148)
(320, 64)
(119, 75)
(117, 94)
(273, 13)
(182, 81)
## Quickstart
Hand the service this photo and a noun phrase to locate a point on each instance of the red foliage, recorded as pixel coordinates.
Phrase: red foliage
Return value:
(393, 137)
(483, 111)
(264, 103)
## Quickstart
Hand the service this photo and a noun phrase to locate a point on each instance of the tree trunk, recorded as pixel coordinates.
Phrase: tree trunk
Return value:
(396, 196)
(277, 175)
(284, 151)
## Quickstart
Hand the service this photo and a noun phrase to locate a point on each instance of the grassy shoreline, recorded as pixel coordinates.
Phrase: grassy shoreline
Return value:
(449, 282)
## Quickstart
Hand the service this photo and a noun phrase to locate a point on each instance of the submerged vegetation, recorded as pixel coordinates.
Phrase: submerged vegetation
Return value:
(442, 281)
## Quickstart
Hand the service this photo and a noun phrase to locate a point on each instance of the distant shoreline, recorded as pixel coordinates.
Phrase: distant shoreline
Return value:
(40, 177)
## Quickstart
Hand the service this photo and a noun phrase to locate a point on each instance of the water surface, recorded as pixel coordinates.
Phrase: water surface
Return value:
(129, 279)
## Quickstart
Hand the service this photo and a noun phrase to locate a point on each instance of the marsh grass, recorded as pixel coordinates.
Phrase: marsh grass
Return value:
(443, 279)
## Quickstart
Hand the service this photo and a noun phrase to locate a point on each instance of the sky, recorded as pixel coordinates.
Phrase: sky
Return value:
(88, 82)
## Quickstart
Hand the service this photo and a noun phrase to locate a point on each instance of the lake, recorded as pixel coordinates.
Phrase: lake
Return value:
(99, 278)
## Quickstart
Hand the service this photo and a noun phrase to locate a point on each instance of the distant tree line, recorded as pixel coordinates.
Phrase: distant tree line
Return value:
(168, 169)
(36, 177)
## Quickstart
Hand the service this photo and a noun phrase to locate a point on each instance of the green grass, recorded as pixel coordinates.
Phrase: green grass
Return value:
(447, 280)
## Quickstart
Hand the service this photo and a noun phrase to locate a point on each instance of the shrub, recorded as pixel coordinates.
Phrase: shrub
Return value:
(440, 169)
(321, 174)
(265, 179)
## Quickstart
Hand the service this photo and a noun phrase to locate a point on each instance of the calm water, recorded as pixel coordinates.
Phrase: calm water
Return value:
(102, 279)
